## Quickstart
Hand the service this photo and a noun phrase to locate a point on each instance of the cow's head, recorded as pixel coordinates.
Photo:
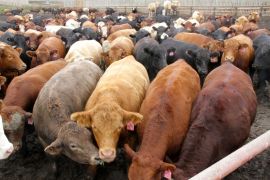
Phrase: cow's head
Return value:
(14, 119)
(76, 143)
(113, 55)
(42, 56)
(10, 58)
(216, 48)
(107, 121)
(232, 50)
(146, 167)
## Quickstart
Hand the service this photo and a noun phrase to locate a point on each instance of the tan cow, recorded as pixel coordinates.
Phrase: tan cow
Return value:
(85, 49)
(114, 104)
(123, 32)
(118, 49)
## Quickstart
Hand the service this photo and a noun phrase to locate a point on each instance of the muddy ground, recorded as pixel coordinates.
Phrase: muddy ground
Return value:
(31, 163)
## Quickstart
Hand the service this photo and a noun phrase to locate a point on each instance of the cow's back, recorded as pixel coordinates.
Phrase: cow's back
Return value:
(128, 79)
(66, 92)
(169, 100)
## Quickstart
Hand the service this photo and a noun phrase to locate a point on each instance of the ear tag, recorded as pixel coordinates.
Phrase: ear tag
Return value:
(168, 174)
(171, 54)
(130, 126)
(30, 121)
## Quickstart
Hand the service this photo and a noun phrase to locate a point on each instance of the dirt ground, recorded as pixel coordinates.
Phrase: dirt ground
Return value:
(31, 163)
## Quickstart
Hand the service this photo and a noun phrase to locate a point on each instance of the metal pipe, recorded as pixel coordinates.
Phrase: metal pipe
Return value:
(236, 159)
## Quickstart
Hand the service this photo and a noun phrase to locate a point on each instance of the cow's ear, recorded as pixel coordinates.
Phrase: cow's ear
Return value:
(55, 148)
(54, 54)
(129, 151)
(167, 166)
(30, 53)
(82, 118)
(194, 24)
(19, 50)
(132, 117)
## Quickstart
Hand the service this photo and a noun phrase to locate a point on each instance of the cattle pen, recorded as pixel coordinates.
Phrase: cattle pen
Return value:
(249, 162)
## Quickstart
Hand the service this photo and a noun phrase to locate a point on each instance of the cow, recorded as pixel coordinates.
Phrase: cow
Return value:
(56, 132)
(32, 36)
(254, 17)
(221, 119)
(115, 28)
(193, 38)
(20, 97)
(50, 49)
(242, 20)
(166, 114)
(119, 49)
(68, 36)
(6, 148)
(152, 8)
(10, 58)
(221, 33)
(8, 38)
(239, 50)
(139, 35)
(197, 57)
(151, 54)
(208, 26)
(85, 49)
(72, 24)
(253, 34)
(109, 110)
(261, 61)
(123, 32)
(89, 24)
(167, 7)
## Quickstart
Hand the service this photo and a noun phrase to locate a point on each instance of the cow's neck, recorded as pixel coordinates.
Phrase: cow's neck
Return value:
(155, 139)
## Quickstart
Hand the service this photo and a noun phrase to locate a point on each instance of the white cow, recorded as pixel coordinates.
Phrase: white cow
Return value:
(6, 148)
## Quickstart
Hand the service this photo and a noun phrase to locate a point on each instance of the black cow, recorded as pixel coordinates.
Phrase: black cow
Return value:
(153, 56)
(8, 38)
(197, 57)
(69, 36)
(21, 43)
(161, 33)
(5, 26)
(139, 35)
(162, 18)
(261, 63)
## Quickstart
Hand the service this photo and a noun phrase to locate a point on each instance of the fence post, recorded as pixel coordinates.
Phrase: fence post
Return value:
(214, 11)
(261, 11)
(235, 13)
(191, 10)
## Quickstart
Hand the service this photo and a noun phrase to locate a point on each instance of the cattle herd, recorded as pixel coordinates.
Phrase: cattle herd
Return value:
(175, 94)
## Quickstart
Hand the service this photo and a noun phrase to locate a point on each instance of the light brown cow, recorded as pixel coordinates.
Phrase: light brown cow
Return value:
(119, 49)
(20, 98)
(89, 24)
(254, 17)
(239, 50)
(124, 32)
(115, 28)
(166, 113)
(50, 49)
(114, 104)
(33, 42)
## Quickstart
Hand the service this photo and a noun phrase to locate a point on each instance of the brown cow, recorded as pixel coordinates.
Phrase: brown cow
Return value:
(239, 50)
(20, 98)
(50, 49)
(119, 49)
(220, 120)
(166, 113)
(115, 28)
(10, 58)
(124, 32)
(114, 104)
(44, 34)
(193, 38)
(33, 42)
(208, 25)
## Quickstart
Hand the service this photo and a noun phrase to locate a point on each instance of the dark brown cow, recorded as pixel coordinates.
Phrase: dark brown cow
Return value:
(166, 113)
(258, 32)
(239, 50)
(20, 98)
(50, 49)
(220, 121)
